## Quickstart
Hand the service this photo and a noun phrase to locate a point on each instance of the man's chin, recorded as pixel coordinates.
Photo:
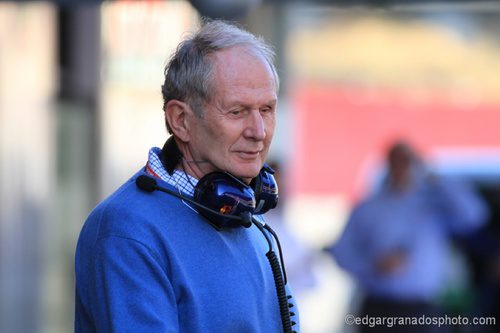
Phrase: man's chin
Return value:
(247, 174)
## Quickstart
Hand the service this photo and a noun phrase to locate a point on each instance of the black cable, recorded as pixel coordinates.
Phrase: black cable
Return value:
(278, 281)
(280, 291)
(290, 305)
(268, 228)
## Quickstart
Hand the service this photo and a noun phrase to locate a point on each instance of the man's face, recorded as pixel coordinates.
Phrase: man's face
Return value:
(238, 124)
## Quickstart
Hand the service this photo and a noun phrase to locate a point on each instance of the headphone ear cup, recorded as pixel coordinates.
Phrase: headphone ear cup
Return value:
(266, 191)
(225, 194)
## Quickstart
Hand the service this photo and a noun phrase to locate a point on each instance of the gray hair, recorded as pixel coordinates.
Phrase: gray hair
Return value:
(188, 74)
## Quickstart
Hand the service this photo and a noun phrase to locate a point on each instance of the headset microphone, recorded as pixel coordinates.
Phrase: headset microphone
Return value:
(146, 183)
(149, 184)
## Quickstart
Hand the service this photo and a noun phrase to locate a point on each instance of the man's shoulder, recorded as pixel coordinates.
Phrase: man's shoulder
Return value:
(129, 211)
(128, 198)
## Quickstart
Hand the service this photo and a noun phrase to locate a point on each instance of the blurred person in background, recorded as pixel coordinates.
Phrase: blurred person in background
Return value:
(396, 242)
(149, 261)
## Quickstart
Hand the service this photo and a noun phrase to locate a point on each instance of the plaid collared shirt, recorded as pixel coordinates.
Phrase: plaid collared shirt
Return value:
(179, 179)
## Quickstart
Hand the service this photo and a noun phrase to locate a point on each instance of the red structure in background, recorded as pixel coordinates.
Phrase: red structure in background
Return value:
(338, 128)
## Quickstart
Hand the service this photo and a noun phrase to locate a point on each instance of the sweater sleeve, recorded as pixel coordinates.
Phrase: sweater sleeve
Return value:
(132, 292)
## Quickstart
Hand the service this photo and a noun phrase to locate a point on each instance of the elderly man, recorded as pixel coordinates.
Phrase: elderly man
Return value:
(182, 246)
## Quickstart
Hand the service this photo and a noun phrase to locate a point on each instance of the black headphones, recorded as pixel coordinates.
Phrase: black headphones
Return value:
(223, 199)
(230, 196)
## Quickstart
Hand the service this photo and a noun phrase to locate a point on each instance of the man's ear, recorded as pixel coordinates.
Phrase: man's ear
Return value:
(176, 114)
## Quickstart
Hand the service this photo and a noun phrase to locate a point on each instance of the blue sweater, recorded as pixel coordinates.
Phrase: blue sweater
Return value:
(146, 262)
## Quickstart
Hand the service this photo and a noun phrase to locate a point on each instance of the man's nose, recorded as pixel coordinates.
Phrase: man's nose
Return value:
(256, 127)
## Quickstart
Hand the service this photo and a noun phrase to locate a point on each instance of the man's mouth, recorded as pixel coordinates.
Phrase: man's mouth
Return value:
(249, 154)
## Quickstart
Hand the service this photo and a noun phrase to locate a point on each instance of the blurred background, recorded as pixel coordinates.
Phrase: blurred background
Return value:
(80, 105)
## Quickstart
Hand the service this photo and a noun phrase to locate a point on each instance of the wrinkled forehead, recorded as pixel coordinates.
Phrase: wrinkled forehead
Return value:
(229, 62)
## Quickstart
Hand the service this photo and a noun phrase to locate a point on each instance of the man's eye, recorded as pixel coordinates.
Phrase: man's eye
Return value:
(238, 112)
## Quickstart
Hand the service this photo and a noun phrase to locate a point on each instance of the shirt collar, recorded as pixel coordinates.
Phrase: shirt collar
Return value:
(179, 178)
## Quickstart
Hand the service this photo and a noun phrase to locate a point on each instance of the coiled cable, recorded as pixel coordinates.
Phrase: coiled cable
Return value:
(279, 276)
